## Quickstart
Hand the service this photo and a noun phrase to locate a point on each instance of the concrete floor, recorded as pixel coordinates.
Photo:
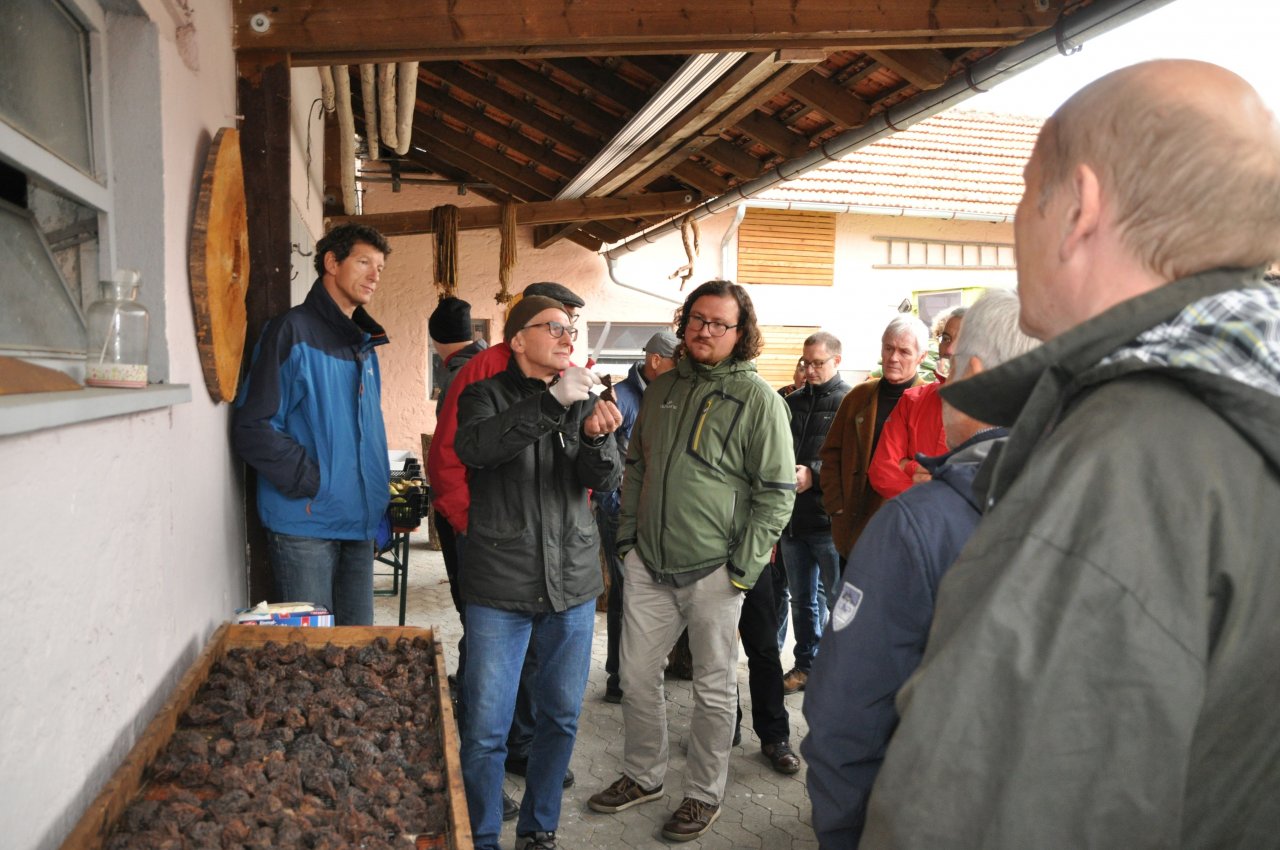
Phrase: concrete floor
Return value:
(762, 808)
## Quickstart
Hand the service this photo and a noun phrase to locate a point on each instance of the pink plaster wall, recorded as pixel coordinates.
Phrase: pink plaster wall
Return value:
(856, 309)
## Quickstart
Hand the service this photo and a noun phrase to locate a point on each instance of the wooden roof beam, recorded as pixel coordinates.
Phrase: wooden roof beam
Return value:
(925, 69)
(557, 97)
(748, 75)
(535, 213)
(490, 166)
(832, 100)
(520, 110)
(430, 97)
(327, 29)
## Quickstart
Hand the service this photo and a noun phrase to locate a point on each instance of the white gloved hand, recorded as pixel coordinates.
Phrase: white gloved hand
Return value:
(574, 385)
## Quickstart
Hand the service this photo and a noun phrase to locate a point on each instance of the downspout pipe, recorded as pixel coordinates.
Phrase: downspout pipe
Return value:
(1065, 37)
(739, 213)
(613, 276)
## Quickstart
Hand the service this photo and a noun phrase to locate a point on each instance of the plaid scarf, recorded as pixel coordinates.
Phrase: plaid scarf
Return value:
(1234, 334)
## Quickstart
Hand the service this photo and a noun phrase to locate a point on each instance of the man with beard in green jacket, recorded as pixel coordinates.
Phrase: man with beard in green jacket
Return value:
(709, 485)
(1097, 670)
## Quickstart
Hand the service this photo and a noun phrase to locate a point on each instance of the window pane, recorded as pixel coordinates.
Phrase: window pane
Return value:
(39, 313)
(44, 90)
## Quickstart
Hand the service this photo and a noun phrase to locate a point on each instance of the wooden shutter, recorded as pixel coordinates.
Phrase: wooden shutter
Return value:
(783, 346)
(787, 247)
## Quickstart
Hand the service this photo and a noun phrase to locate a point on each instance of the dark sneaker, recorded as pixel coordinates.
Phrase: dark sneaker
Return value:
(794, 681)
(536, 841)
(690, 821)
(622, 795)
(781, 757)
(510, 808)
(613, 695)
(520, 767)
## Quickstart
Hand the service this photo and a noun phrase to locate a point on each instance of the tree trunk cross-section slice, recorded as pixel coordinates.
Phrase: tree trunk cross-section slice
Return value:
(220, 266)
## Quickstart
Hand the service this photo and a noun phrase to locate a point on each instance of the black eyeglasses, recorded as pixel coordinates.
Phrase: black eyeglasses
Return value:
(814, 364)
(697, 323)
(556, 329)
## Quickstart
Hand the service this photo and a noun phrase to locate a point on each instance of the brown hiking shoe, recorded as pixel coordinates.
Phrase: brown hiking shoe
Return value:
(794, 681)
(622, 795)
(690, 820)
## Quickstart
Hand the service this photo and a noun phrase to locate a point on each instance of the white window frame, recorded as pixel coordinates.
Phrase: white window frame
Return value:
(25, 413)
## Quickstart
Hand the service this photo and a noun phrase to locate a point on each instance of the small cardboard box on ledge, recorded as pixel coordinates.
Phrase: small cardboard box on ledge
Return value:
(284, 614)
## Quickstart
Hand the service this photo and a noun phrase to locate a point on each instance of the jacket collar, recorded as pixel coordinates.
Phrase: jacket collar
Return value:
(359, 328)
(824, 388)
(687, 367)
(999, 395)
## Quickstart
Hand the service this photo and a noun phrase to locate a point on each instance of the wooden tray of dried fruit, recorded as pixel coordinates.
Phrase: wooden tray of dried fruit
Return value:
(277, 736)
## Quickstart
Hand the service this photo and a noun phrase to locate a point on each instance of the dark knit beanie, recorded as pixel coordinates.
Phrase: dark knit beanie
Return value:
(451, 321)
(523, 311)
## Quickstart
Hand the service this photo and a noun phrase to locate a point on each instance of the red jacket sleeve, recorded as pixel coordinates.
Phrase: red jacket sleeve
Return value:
(887, 477)
(450, 494)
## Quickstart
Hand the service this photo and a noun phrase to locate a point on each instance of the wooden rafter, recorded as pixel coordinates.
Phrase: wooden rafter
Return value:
(557, 98)
(541, 212)
(519, 110)
(925, 69)
(328, 31)
(831, 99)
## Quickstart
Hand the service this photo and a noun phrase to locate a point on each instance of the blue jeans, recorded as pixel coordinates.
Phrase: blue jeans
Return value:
(813, 568)
(497, 641)
(337, 574)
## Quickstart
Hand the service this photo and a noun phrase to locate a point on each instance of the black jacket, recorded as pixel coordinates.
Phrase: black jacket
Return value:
(453, 366)
(531, 536)
(812, 410)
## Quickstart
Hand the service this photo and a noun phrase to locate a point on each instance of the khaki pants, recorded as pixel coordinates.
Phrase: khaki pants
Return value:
(653, 615)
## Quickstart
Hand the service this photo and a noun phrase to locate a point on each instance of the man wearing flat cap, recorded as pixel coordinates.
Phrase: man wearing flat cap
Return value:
(659, 357)
(535, 441)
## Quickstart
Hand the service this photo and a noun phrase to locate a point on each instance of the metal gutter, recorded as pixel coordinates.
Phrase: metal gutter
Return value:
(1065, 37)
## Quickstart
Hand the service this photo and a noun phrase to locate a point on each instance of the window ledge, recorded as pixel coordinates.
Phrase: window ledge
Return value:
(26, 412)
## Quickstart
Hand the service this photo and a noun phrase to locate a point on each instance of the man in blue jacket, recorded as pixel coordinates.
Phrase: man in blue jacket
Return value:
(308, 420)
(659, 357)
(885, 604)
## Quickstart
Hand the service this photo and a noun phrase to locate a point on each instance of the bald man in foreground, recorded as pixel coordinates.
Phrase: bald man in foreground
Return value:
(1102, 668)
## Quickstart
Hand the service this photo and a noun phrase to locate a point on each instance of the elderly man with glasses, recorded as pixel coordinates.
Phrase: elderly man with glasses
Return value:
(812, 563)
(535, 441)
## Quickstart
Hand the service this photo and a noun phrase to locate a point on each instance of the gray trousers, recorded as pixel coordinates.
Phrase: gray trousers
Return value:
(653, 615)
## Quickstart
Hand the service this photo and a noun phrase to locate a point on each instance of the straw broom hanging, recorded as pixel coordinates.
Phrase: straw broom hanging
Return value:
(507, 253)
(444, 219)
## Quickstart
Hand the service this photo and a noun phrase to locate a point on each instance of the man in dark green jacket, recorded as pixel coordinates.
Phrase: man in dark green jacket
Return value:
(1101, 668)
(710, 483)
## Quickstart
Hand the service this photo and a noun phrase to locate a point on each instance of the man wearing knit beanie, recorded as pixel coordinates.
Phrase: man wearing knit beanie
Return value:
(450, 496)
(450, 331)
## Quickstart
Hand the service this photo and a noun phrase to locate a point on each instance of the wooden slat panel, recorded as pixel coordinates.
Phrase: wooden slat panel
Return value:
(787, 247)
(783, 345)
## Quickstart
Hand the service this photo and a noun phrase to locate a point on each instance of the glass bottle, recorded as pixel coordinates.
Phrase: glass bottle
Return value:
(117, 331)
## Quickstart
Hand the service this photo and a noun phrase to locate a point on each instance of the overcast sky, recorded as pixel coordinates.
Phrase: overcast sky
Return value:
(1241, 35)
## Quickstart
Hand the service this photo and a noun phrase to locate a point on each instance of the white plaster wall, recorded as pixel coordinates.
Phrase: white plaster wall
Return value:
(306, 177)
(122, 540)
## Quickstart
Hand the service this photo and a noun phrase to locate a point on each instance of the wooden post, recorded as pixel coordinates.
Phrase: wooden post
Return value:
(262, 86)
